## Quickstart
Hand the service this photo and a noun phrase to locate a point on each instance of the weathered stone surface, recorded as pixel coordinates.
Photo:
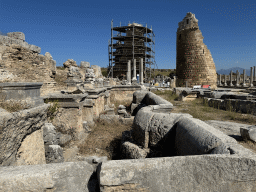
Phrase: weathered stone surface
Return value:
(109, 118)
(162, 108)
(126, 120)
(153, 99)
(84, 64)
(194, 137)
(17, 35)
(63, 138)
(194, 63)
(184, 173)
(48, 55)
(74, 75)
(50, 135)
(53, 154)
(69, 176)
(132, 151)
(29, 92)
(229, 128)
(133, 108)
(108, 110)
(249, 133)
(3, 111)
(15, 127)
(18, 38)
(5, 75)
(95, 160)
(90, 76)
(150, 127)
(86, 127)
(31, 151)
(122, 113)
(69, 63)
(97, 71)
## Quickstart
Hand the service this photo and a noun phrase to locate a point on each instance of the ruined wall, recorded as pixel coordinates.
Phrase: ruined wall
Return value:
(194, 62)
(21, 138)
(123, 94)
(20, 64)
(18, 38)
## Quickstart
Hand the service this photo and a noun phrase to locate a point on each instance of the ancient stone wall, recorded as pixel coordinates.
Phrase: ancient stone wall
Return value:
(21, 138)
(194, 62)
(123, 93)
(20, 64)
(18, 38)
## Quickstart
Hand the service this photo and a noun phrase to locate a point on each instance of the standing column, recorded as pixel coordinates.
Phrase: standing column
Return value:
(254, 74)
(134, 70)
(244, 79)
(237, 78)
(231, 85)
(251, 78)
(225, 80)
(129, 72)
(141, 71)
(220, 84)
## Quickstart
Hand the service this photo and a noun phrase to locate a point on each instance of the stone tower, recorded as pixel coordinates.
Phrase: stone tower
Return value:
(194, 62)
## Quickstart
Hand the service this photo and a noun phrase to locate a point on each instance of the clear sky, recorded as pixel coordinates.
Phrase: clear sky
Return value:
(80, 30)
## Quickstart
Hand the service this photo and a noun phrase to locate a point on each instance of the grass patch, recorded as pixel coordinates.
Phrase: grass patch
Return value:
(168, 95)
(198, 109)
(104, 140)
(13, 105)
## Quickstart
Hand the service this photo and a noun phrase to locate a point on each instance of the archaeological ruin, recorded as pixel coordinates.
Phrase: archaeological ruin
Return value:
(194, 62)
(50, 115)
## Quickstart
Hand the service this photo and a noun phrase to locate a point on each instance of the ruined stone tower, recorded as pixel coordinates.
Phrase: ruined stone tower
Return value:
(194, 62)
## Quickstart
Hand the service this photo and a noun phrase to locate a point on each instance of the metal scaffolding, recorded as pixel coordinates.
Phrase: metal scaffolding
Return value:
(131, 43)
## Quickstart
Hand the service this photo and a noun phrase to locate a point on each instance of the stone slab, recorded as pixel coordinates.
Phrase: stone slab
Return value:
(227, 173)
(229, 128)
(69, 176)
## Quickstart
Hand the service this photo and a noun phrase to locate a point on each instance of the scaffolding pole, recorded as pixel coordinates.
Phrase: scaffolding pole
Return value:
(112, 48)
(146, 49)
(133, 45)
(150, 53)
(154, 54)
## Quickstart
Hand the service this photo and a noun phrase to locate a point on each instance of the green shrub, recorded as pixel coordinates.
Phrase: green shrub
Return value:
(52, 109)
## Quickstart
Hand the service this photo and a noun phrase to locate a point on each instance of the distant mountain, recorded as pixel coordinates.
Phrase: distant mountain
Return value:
(234, 69)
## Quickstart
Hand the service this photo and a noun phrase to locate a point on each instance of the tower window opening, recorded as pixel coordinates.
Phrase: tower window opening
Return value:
(180, 37)
(187, 21)
(203, 51)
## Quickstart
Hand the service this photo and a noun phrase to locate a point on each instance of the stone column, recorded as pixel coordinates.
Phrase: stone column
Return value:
(254, 74)
(251, 78)
(141, 71)
(220, 84)
(134, 70)
(231, 85)
(129, 72)
(244, 79)
(237, 78)
(225, 80)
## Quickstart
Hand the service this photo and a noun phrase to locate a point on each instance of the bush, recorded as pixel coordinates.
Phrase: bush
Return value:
(52, 109)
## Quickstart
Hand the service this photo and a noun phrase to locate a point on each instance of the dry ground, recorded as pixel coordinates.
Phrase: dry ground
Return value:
(105, 138)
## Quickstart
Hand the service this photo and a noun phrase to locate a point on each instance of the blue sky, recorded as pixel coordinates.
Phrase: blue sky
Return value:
(80, 30)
